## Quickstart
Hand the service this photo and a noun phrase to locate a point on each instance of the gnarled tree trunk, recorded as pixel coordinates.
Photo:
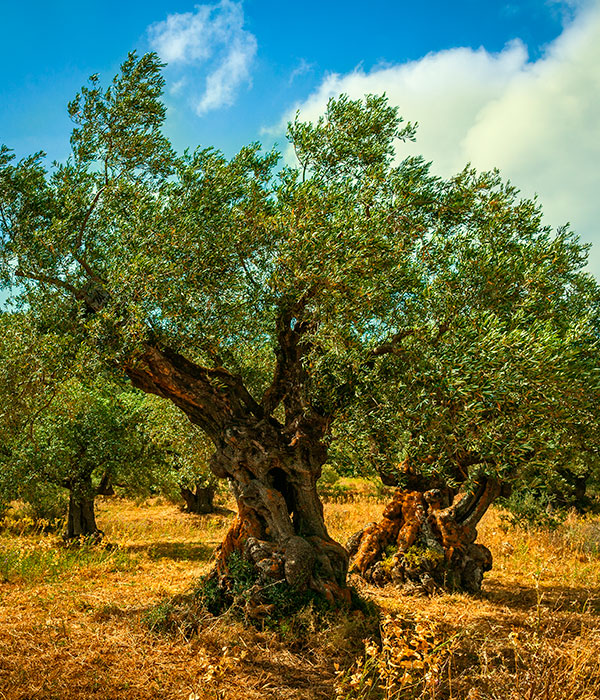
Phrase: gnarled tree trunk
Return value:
(427, 538)
(280, 525)
(272, 468)
(200, 500)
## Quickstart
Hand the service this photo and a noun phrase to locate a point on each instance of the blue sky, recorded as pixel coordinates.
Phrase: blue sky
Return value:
(508, 84)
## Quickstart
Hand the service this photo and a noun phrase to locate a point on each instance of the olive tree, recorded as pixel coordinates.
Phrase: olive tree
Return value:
(474, 416)
(186, 450)
(64, 432)
(89, 440)
(264, 300)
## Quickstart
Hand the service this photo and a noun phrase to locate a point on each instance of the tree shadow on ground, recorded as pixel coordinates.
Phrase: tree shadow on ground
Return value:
(217, 510)
(297, 678)
(525, 598)
(178, 551)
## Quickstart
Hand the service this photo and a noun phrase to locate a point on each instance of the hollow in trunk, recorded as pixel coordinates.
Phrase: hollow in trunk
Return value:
(280, 527)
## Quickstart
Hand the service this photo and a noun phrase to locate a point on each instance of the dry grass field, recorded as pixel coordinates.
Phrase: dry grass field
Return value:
(74, 622)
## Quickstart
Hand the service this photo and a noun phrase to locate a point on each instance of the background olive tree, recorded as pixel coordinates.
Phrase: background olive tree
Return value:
(67, 438)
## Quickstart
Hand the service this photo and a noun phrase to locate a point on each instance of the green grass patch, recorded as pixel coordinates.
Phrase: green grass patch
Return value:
(46, 560)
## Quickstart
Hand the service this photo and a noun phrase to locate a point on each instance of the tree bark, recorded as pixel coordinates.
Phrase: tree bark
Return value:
(81, 519)
(105, 487)
(280, 525)
(574, 494)
(200, 500)
(427, 538)
(272, 468)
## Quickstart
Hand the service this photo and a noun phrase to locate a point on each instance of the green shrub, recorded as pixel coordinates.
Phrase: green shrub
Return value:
(45, 503)
(529, 508)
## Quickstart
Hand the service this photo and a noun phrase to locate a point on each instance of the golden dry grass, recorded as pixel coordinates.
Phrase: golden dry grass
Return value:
(71, 624)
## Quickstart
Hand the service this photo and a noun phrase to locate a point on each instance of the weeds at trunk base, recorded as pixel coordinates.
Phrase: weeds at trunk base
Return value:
(90, 540)
(294, 614)
(424, 569)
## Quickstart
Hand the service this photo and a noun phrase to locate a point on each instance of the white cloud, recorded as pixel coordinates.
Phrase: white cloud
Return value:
(178, 86)
(303, 67)
(538, 121)
(212, 37)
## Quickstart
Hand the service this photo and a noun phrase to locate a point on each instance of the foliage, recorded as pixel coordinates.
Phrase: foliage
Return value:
(86, 435)
(527, 508)
(435, 321)
(330, 487)
(34, 362)
(61, 429)
(43, 501)
(487, 399)
(186, 450)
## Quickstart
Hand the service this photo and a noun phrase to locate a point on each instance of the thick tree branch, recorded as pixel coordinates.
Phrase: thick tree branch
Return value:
(53, 281)
(469, 510)
(212, 398)
(93, 301)
(105, 487)
(289, 353)
(88, 269)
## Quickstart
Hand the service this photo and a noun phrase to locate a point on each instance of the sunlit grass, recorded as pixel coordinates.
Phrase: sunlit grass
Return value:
(47, 559)
(71, 620)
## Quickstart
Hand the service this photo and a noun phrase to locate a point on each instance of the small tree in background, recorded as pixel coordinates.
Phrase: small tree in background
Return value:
(61, 434)
(88, 439)
(187, 452)
(543, 498)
